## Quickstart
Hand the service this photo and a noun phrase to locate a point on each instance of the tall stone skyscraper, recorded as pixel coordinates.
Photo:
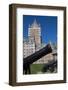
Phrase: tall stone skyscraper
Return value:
(34, 31)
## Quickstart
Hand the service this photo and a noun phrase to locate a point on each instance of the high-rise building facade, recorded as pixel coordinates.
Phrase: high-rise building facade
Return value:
(34, 31)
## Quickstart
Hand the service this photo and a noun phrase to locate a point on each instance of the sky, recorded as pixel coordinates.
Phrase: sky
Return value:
(48, 27)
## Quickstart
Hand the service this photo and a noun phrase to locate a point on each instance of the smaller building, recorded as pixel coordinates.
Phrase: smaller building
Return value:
(49, 57)
(28, 47)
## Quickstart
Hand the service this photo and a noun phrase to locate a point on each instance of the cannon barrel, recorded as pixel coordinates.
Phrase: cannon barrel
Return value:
(37, 55)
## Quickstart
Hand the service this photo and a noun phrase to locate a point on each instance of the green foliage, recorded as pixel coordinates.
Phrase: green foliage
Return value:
(35, 68)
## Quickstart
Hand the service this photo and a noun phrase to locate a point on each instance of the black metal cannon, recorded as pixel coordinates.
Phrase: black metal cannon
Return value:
(34, 57)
